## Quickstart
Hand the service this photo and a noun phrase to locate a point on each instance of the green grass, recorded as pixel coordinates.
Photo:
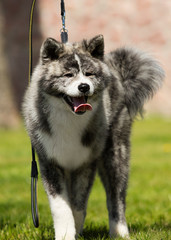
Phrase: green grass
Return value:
(149, 193)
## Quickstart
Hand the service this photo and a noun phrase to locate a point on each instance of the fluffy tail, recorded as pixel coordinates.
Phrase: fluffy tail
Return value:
(140, 75)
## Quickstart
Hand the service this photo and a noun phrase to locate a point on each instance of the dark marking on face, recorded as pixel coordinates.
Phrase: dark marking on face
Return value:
(69, 62)
(87, 63)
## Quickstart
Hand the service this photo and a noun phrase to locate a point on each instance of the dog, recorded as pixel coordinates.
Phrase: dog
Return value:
(78, 111)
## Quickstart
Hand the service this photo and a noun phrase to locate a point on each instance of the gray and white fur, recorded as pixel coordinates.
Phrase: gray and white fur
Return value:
(78, 112)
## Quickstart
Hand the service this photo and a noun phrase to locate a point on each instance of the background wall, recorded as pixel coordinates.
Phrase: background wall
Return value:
(144, 24)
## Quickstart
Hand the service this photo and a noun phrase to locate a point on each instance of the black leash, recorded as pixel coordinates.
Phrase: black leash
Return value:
(34, 178)
(34, 169)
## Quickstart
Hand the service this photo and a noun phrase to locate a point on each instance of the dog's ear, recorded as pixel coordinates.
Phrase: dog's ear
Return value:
(51, 49)
(95, 46)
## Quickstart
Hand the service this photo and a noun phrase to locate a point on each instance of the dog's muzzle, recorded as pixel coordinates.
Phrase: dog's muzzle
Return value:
(78, 105)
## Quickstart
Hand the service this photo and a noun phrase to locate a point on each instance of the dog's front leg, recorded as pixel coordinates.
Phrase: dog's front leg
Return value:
(114, 174)
(63, 218)
(81, 183)
(55, 186)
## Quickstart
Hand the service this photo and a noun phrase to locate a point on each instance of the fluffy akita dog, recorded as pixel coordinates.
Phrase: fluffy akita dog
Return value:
(78, 111)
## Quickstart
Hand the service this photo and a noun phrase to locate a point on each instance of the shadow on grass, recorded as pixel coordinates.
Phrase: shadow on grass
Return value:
(101, 232)
(140, 227)
(13, 213)
(91, 231)
(95, 232)
(46, 232)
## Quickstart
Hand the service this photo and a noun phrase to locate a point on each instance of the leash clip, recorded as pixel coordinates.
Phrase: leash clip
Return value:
(64, 31)
(64, 35)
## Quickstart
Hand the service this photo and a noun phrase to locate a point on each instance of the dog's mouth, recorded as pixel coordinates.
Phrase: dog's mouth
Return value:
(78, 105)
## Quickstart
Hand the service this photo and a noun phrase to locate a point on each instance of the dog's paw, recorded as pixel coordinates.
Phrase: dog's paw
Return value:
(67, 233)
(65, 237)
(118, 229)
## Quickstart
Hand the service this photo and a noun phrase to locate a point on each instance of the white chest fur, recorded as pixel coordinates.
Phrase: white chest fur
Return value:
(64, 143)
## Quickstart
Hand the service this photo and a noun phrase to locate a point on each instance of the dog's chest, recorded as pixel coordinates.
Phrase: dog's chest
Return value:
(64, 144)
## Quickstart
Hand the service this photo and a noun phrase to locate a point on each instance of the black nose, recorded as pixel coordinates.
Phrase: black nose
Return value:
(83, 87)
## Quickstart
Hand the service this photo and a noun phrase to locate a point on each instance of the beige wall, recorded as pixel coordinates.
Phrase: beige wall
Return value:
(144, 24)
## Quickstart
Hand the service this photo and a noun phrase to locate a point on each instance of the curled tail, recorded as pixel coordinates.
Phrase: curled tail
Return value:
(140, 75)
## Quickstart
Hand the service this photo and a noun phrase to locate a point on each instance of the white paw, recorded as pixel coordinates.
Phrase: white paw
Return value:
(65, 237)
(118, 229)
(63, 234)
(65, 229)
(64, 224)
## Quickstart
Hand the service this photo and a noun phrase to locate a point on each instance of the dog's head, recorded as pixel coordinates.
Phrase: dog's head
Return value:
(75, 73)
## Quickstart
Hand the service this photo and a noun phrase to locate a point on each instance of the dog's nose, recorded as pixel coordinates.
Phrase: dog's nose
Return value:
(83, 87)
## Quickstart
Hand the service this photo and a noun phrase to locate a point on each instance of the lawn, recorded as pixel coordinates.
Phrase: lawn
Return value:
(149, 193)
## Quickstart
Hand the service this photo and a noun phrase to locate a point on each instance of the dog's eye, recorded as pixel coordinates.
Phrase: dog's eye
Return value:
(68, 75)
(88, 74)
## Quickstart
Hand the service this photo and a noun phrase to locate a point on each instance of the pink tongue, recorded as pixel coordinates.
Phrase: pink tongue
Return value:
(80, 104)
